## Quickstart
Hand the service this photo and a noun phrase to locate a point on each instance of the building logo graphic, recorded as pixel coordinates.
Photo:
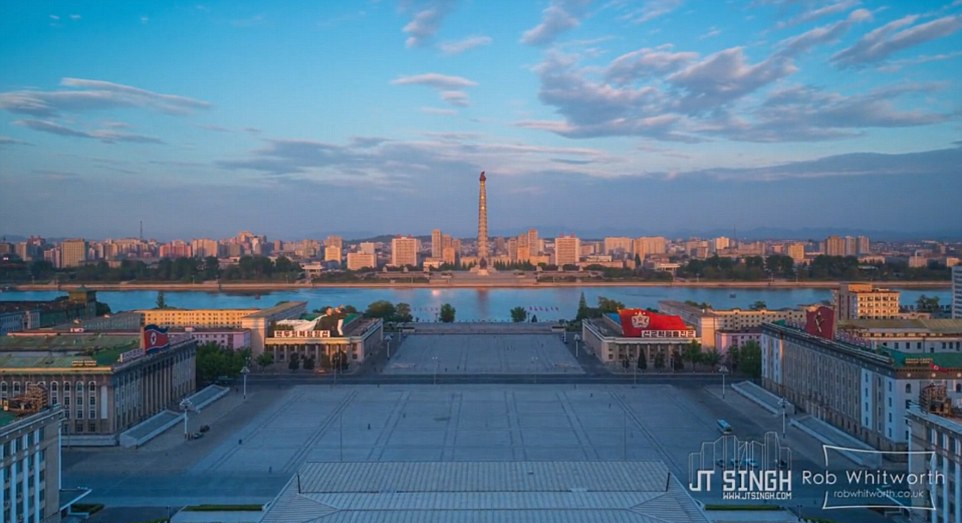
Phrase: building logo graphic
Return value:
(742, 470)
(640, 321)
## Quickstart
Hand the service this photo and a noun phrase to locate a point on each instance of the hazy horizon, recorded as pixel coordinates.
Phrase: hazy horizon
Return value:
(203, 119)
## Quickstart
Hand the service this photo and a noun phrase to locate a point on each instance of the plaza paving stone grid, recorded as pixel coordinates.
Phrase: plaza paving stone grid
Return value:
(453, 353)
(465, 423)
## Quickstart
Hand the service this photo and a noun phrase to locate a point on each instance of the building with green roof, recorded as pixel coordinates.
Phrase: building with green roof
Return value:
(106, 383)
(861, 387)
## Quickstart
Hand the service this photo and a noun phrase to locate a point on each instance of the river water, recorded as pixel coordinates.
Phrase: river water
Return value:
(473, 304)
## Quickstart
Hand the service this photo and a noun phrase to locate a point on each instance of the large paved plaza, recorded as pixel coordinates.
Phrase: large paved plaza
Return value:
(483, 354)
(257, 444)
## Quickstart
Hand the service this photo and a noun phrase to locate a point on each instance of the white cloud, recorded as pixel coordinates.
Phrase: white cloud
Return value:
(891, 38)
(94, 94)
(458, 98)
(466, 44)
(450, 88)
(809, 15)
(436, 80)
(725, 76)
(427, 22)
(652, 9)
(646, 62)
(826, 33)
(557, 18)
(104, 135)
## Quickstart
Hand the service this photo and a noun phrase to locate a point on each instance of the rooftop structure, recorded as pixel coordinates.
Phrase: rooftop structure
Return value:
(583, 492)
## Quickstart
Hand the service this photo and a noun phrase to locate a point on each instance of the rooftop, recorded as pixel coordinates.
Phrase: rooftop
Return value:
(60, 351)
(280, 307)
(898, 359)
(935, 326)
(638, 491)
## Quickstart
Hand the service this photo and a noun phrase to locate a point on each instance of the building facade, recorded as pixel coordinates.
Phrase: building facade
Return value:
(940, 434)
(361, 260)
(361, 338)
(854, 301)
(709, 322)
(957, 291)
(567, 250)
(30, 467)
(862, 391)
(404, 251)
(605, 338)
(105, 384)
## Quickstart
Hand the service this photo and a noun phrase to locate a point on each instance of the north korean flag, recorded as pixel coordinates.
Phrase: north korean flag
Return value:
(155, 339)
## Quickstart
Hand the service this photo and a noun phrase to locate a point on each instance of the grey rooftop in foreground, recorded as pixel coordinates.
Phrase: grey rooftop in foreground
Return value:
(634, 491)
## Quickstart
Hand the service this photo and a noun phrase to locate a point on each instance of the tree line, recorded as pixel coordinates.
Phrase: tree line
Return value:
(821, 268)
(183, 269)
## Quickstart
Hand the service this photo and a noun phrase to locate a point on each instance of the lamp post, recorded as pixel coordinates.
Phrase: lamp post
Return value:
(388, 339)
(577, 345)
(782, 405)
(534, 365)
(723, 370)
(187, 406)
(244, 372)
(436, 365)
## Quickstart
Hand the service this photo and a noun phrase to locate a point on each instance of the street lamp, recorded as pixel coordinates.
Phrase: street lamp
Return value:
(723, 370)
(577, 345)
(187, 406)
(782, 405)
(436, 365)
(388, 339)
(534, 364)
(244, 372)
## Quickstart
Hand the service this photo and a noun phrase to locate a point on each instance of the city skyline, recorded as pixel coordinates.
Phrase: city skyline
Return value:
(375, 117)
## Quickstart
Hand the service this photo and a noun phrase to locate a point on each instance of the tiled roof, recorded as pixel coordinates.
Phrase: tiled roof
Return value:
(484, 491)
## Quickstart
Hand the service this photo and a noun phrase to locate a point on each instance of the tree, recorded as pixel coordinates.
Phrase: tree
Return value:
(927, 304)
(692, 353)
(583, 310)
(403, 313)
(711, 358)
(534, 318)
(264, 359)
(642, 361)
(759, 305)
(659, 360)
(161, 300)
(750, 359)
(381, 309)
(607, 306)
(295, 362)
(447, 313)
(519, 314)
(214, 361)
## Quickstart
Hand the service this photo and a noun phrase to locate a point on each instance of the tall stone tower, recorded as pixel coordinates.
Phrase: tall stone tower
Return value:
(483, 225)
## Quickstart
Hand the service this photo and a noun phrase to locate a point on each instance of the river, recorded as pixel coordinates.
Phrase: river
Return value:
(473, 304)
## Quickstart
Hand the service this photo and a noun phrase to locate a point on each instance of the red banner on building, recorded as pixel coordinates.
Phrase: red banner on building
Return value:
(635, 321)
(820, 322)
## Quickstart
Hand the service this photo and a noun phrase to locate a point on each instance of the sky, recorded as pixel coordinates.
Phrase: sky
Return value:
(298, 118)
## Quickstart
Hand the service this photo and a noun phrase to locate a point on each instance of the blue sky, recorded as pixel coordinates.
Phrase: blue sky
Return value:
(294, 118)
